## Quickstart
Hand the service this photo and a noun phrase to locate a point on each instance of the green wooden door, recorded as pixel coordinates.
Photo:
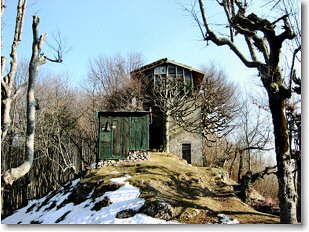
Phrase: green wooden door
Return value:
(120, 136)
(139, 133)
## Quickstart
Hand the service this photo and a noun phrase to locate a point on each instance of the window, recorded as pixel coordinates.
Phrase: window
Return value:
(160, 70)
(172, 70)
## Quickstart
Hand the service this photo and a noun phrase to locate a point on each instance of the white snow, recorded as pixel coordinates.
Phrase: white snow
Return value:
(93, 165)
(224, 219)
(126, 197)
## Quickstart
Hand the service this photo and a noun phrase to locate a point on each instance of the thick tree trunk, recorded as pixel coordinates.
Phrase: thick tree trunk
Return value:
(6, 117)
(298, 190)
(13, 174)
(298, 183)
(287, 194)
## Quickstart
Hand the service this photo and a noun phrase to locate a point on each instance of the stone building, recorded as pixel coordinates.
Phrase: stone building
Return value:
(165, 133)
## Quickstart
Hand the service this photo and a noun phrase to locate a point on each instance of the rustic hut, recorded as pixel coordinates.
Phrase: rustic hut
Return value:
(121, 133)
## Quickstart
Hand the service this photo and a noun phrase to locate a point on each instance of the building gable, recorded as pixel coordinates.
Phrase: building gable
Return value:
(169, 68)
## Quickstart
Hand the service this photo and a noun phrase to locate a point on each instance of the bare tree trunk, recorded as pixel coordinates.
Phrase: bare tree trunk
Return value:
(167, 132)
(241, 165)
(7, 82)
(298, 186)
(13, 174)
(249, 161)
(6, 118)
(287, 194)
(233, 162)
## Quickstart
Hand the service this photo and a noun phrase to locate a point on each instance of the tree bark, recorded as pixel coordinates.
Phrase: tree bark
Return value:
(6, 117)
(240, 167)
(7, 82)
(298, 186)
(13, 174)
(287, 194)
(233, 162)
(167, 131)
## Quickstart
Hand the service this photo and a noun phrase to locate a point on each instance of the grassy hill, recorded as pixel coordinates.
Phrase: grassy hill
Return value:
(197, 194)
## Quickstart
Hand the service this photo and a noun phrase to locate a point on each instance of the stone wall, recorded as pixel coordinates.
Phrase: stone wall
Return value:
(133, 156)
(178, 137)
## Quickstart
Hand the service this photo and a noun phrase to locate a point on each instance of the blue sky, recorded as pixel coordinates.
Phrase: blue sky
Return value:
(157, 29)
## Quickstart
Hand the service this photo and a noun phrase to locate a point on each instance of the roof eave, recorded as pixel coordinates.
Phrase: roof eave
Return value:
(165, 61)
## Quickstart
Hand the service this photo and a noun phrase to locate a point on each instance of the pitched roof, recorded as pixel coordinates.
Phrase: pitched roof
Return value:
(165, 61)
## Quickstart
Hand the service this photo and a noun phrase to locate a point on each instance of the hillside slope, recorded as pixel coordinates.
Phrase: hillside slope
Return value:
(196, 194)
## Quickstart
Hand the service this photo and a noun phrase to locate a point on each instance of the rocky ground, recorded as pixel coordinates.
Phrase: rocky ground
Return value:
(150, 188)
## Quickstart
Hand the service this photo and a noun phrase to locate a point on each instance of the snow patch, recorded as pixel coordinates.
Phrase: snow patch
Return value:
(126, 197)
(224, 219)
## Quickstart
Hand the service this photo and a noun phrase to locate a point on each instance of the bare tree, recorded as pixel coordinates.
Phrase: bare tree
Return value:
(264, 40)
(219, 104)
(7, 81)
(111, 81)
(58, 115)
(37, 59)
(254, 136)
(177, 100)
(208, 110)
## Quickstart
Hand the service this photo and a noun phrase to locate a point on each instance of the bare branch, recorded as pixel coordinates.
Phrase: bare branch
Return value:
(210, 35)
(229, 14)
(267, 171)
(42, 40)
(3, 63)
(59, 46)
(284, 17)
(292, 70)
(22, 20)
(250, 47)
(18, 90)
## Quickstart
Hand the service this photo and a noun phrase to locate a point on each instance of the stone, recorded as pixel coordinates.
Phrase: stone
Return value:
(126, 213)
(133, 156)
(99, 205)
(158, 209)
